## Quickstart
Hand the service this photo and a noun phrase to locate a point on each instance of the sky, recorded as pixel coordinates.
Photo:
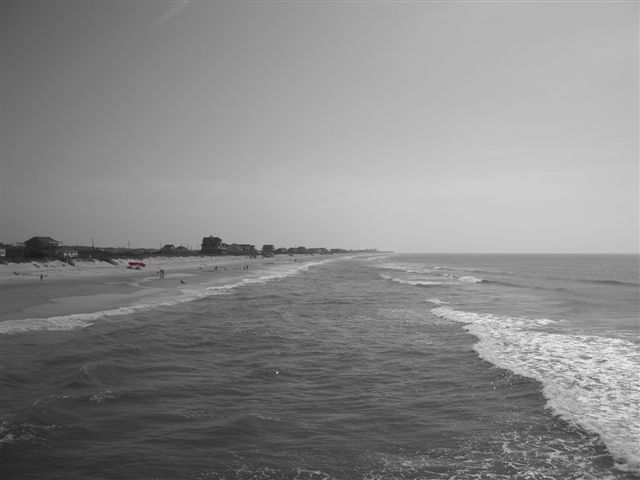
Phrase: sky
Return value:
(483, 127)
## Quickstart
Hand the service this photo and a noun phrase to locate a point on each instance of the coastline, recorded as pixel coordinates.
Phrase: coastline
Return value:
(91, 287)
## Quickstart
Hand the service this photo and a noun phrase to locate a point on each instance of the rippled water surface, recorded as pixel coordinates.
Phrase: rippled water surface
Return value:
(379, 367)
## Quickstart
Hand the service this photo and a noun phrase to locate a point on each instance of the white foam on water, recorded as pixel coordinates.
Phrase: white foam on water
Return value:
(425, 275)
(590, 381)
(470, 279)
(407, 267)
(416, 282)
(185, 293)
(104, 396)
(63, 322)
(436, 301)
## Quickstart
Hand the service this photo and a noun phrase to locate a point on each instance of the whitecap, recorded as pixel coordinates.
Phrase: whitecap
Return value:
(411, 282)
(103, 396)
(436, 301)
(470, 279)
(588, 380)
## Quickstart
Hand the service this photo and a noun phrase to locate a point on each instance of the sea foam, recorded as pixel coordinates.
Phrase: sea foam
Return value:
(416, 282)
(588, 380)
(470, 279)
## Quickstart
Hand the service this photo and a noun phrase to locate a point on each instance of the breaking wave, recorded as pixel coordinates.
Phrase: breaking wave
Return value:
(588, 380)
(470, 279)
(416, 283)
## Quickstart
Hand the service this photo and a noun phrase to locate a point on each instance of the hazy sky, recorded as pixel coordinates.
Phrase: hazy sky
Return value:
(409, 126)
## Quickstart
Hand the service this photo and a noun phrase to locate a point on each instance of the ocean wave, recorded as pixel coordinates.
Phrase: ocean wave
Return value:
(104, 396)
(13, 429)
(415, 283)
(183, 294)
(429, 281)
(412, 268)
(470, 279)
(611, 282)
(587, 380)
(436, 301)
(401, 267)
(522, 456)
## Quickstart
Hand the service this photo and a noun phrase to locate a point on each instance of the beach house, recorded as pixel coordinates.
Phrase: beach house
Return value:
(212, 246)
(168, 249)
(42, 247)
(242, 249)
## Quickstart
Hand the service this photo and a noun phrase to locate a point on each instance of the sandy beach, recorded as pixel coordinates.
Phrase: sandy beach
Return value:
(49, 289)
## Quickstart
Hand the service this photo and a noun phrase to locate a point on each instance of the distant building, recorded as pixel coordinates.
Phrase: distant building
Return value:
(42, 247)
(70, 252)
(3, 252)
(168, 249)
(182, 250)
(268, 251)
(212, 246)
(242, 249)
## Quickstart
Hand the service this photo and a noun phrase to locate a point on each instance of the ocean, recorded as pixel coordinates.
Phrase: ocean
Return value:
(364, 367)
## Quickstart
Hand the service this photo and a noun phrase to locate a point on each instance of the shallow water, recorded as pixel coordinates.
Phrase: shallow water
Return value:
(403, 366)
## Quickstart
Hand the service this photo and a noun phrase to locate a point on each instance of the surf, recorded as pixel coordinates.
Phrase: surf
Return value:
(587, 380)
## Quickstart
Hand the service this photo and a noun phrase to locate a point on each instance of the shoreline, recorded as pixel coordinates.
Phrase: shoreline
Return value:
(91, 287)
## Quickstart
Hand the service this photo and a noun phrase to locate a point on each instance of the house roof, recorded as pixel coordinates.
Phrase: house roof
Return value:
(46, 240)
